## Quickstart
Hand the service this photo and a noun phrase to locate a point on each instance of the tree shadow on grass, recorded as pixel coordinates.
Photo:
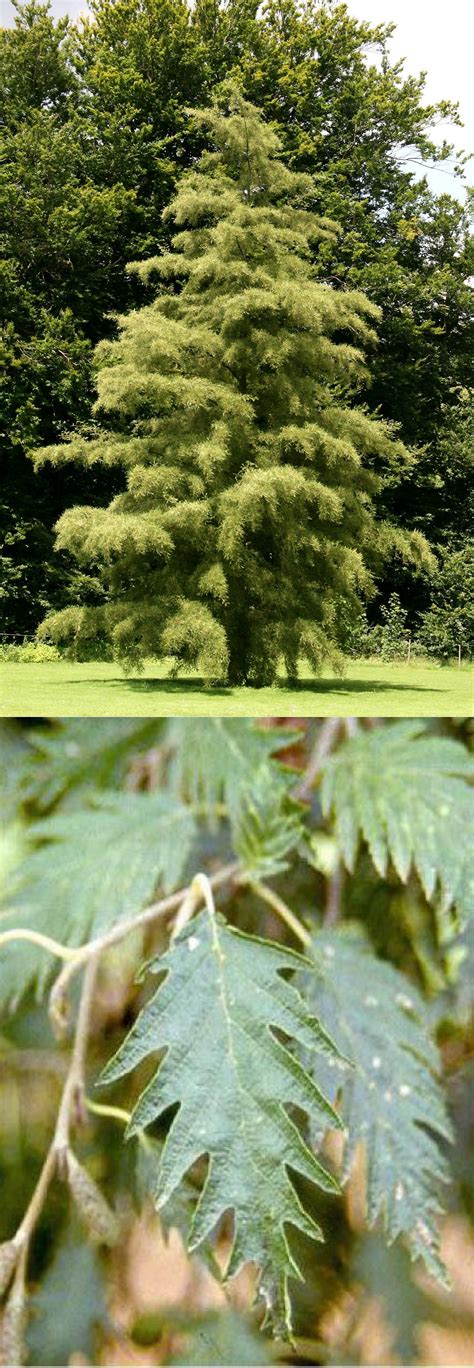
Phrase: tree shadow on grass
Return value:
(356, 686)
(158, 685)
(315, 686)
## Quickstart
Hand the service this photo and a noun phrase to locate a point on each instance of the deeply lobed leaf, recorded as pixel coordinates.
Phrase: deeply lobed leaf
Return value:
(391, 1100)
(218, 1015)
(86, 870)
(406, 794)
(215, 759)
(267, 827)
(77, 753)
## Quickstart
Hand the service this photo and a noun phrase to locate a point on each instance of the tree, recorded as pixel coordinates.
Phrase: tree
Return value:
(302, 903)
(448, 625)
(95, 136)
(247, 511)
(359, 126)
(60, 276)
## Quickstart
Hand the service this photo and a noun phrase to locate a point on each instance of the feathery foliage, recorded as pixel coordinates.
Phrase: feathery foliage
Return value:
(229, 404)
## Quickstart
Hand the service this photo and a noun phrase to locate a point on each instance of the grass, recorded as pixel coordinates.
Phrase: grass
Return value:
(369, 688)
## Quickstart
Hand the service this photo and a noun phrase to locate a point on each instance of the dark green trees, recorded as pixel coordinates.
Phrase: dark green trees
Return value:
(247, 515)
(60, 273)
(96, 131)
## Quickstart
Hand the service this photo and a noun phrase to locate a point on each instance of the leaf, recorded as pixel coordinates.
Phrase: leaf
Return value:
(387, 1275)
(224, 1337)
(216, 759)
(230, 1077)
(87, 870)
(14, 754)
(267, 827)
(62, 1324)
(405, 793)
(82, 752)
(391, 1100)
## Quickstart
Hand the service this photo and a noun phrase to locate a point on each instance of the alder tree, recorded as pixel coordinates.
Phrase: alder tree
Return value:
(250, 944)
(230, 405)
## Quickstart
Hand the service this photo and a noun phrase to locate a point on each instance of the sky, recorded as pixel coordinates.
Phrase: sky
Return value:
(431, 35)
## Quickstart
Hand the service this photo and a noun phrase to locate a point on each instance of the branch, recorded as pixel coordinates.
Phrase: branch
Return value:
(58, 997)
(72, 1101)
(282, 910)
(324, 744)
(332, 910)
(37, 938)
(17, 1249)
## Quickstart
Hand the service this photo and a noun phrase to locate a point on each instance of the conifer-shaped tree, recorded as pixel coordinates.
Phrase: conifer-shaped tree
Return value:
(247, 519)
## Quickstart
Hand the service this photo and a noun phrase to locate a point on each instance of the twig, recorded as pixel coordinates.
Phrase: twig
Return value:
(334, 896)
(72, 1092)
(324, 744)
(72, 1101)
(85, 952)
(105, 1109)
(282, 910)
(64, 952)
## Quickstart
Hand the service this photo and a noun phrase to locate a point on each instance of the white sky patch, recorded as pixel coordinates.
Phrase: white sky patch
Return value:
(438, 39)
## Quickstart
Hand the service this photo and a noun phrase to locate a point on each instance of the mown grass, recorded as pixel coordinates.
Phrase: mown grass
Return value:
(369, 688)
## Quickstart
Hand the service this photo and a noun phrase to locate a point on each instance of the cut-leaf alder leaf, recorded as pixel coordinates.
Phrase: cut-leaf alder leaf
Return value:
(405, 792)
(267, 827)
(223, 1337)
(70, 1305)
(218, 1015)
(78, 753)
(87, 870)
(391, 1099)
(216, 759)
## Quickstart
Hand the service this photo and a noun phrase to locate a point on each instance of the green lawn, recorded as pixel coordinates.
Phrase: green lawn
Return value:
(370, 688)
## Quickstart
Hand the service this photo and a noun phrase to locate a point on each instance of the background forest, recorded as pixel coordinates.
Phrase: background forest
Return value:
(343, 841)
(97, 127)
